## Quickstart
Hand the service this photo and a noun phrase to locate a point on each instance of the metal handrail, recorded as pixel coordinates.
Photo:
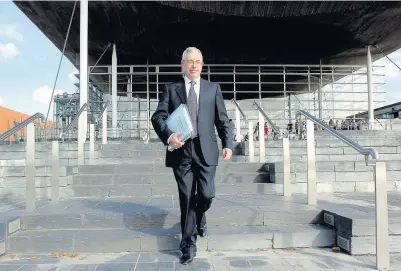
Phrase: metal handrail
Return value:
(298, 101)
(21, 125)
(364, 151)
(275, 128)
(103, 109)
(239, 109)
(379, 122)
(74, 121)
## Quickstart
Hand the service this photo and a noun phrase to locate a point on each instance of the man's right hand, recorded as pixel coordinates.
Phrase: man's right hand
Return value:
(175, 142)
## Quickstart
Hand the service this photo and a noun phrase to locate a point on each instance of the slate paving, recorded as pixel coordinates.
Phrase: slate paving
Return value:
(271, 260)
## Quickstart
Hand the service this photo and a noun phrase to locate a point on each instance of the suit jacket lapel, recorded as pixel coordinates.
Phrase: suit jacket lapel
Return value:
(180, 89)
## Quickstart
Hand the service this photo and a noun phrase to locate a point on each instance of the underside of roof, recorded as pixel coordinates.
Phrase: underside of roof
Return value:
(270, 32)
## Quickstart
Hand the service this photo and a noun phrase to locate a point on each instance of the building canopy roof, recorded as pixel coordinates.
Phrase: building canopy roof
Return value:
(254, 32)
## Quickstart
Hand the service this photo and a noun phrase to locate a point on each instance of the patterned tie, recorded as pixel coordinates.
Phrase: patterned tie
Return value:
(192, 106)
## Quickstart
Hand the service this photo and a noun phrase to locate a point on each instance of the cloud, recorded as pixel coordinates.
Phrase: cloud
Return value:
(72, 76)
(390, 70)
(10, 31)
(43, 94)
(8, 51)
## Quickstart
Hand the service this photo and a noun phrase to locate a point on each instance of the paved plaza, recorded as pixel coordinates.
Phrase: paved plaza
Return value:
(270, 260)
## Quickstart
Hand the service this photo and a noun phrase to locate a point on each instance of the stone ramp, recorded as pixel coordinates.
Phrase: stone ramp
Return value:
(270, 260)
(353, 218)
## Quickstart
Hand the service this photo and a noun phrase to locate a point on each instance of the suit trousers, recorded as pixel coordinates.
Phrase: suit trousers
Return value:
(196, 189)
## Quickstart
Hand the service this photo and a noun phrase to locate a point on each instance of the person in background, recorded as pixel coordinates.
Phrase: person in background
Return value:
(266, 130)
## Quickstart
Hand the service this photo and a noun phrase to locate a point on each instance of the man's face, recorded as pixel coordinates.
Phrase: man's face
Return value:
(192, 66)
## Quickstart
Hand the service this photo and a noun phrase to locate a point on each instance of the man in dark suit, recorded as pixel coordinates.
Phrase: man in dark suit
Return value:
(194, 161)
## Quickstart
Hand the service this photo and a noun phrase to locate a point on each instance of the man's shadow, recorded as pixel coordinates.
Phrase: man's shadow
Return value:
(146, 221)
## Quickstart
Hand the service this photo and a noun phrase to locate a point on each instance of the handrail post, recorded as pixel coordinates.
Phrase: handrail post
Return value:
(262, 148)
(382, 245)
(310, 143)
(81, 152)
(238, 124)
(287, 168)
(104, 124)
(55, 171)
(30, 168)
(250, 142)
(91, 143)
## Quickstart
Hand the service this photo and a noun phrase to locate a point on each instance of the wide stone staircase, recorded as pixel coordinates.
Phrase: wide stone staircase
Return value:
(126, 200)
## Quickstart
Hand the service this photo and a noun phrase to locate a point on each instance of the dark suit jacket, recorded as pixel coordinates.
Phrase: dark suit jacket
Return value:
(211, 113)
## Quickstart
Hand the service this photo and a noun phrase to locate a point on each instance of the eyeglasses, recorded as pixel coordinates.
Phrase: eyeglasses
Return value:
(191, 62)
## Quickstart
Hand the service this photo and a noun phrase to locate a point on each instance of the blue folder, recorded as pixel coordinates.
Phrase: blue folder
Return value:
(180, 121)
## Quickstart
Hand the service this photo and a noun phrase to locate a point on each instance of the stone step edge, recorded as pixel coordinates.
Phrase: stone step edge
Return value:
(232, 216)
(246, 238)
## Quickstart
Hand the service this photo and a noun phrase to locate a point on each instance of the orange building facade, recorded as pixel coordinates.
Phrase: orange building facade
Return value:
(8, 119)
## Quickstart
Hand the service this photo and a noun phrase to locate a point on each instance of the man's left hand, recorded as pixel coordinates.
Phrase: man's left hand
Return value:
(227, 154)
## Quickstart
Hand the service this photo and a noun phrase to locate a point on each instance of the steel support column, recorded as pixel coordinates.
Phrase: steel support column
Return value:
(320, 93)
(237, 113)
(370, 90)
(114, 91)
(83, 70)
(129, 96)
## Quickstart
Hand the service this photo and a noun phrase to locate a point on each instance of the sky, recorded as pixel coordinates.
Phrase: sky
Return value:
(29, 62)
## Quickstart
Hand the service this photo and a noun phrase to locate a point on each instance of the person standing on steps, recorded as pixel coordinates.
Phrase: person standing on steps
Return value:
(194, 163)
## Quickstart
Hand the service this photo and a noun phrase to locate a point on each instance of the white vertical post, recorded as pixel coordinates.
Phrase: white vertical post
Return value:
(238, 124)
(250, 141)
(92, 144)
(104, 126)
(382, 244)
(81, 153)
(30, 167)
(83, 69)
(55, 171)
(114, 114)
(370, 90)
(310, 144)
(287, 170)
(262, 148)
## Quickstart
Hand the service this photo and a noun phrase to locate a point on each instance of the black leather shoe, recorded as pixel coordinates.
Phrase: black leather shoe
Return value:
(202, 232)
(187, 258)
(188, 254)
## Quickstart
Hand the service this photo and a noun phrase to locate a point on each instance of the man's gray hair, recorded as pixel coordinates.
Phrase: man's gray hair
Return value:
(189, 50)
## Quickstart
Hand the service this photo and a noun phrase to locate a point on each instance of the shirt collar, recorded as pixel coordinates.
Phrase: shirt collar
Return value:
(187, 80)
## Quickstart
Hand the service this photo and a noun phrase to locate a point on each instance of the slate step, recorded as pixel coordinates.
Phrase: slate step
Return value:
(158, 168)
(170, 189)
(168, 178)
(164, 212)
(127, 240)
